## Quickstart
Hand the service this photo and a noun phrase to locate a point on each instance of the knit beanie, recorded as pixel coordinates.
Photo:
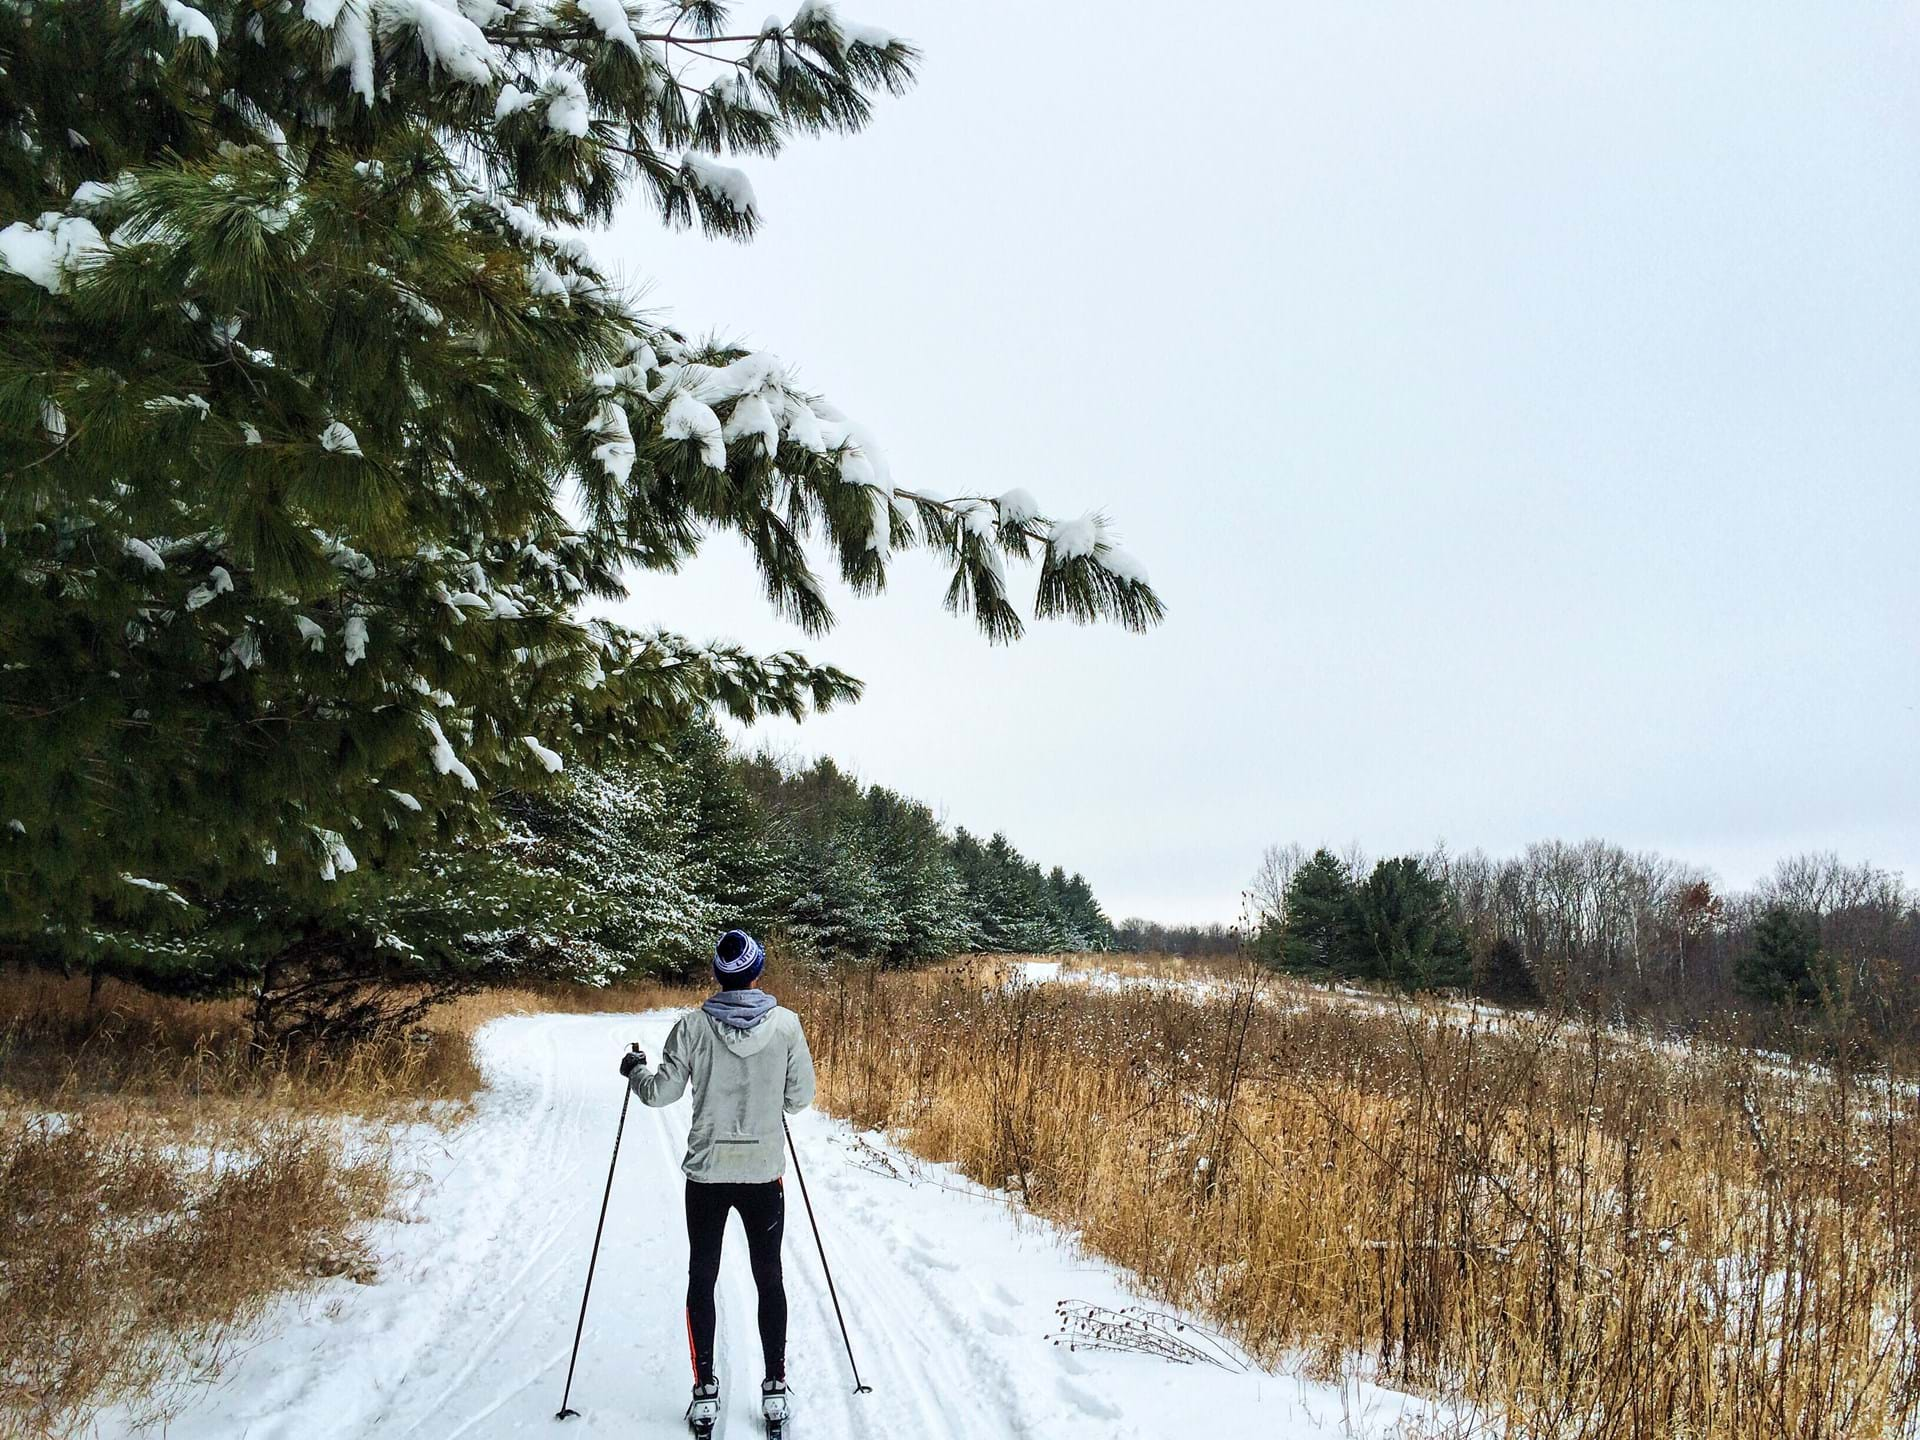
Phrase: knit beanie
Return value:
(738, 960)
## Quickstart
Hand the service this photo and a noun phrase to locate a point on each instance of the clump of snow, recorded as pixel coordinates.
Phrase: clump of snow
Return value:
(567, 109)
(803, 426)
(339, 439)
(753, 416)
(880, 526)
(445, 762)
(242, 654)
(615, 451)
(975, 515)
(143, 552)
(1125, 566)
(335, 858)
(691, 419)
(1018, 507)
(311, 632)
(50, 248)
(550, 760)
(1074, 539)
(723, 182)
(445, 33)
(402, 798)
(862, 461)
(138, 882)
(219, 582)
(188, 23)
(196, 403)
(452, 42)
(92, 194)
(610, 18)
(511, 101)
(53, 419)
(353, 638)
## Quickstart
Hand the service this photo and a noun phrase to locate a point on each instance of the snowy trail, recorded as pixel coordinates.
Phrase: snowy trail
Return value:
(466, 1332)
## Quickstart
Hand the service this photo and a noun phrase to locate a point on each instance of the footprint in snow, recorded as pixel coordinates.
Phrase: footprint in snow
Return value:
(999, 1324)
(1068, 1361)
(1086, 1401)
(932, 1261)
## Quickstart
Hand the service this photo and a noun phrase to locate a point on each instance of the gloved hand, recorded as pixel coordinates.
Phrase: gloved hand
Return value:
(632, 1061)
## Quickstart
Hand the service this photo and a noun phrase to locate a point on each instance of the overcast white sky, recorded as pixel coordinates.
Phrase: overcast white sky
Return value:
(1517, 406)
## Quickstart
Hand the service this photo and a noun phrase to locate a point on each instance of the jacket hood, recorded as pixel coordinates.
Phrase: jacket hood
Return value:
(736, 1017)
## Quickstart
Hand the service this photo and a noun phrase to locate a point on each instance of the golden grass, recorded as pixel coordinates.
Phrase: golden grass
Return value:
(164, 1181)
(1574, 1232)
(59, 1049)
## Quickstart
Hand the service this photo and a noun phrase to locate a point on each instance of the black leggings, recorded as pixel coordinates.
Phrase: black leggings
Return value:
(763, 1211)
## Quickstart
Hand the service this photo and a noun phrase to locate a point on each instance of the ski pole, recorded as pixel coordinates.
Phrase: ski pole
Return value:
(594, 1259)
(801, 1176)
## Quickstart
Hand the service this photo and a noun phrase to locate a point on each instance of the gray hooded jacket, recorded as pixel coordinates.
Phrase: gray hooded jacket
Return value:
(742, 1081)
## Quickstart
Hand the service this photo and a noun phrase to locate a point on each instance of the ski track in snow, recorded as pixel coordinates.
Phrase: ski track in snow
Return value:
(949, 1296)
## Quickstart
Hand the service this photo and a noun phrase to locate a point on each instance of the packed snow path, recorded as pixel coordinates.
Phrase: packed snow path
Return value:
(949, 1296)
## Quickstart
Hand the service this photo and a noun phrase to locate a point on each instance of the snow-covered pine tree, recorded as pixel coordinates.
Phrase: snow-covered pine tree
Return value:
(300, 350)
(750, 865)
(1085, 924)
(846, 908)
(624, 883)
(915, 864)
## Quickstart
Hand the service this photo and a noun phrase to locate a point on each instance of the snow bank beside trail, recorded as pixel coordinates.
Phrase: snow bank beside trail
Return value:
(949, 1291)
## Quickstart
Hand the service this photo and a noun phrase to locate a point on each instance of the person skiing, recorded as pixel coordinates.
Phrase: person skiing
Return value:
(746, 1057)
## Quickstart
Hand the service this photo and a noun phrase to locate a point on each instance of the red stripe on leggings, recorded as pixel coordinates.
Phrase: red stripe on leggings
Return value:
(692, 1358)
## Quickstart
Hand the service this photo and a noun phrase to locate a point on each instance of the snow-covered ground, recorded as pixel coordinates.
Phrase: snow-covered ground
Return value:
(948, 1291)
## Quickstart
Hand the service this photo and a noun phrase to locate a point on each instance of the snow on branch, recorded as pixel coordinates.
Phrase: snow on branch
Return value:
(722, 194)
(813, 470)
(686, 678)
(49, 249)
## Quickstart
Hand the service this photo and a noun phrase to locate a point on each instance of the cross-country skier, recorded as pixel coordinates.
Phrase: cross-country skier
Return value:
(746, 1058)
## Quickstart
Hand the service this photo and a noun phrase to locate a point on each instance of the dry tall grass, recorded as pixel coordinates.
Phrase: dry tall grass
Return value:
(1577, 1233)
(162, 1182)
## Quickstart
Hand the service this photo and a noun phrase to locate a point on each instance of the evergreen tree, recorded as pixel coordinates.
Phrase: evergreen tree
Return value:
(917, 871)
(1505, 976)
(1783, 965)
(1316, 935)
(298, 356)
(626, 888)
(1085, 923)
(1403, 931)
(752, 868)
(846, 908)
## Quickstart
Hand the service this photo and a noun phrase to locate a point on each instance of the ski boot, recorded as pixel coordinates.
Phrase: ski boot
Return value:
(703, 1412)
(776, 1408)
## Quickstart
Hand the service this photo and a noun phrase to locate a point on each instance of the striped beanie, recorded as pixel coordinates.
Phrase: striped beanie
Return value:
(738, 959)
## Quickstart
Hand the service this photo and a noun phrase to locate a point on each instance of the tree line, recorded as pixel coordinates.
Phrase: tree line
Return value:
(1628, 933)
(659, 853)
(624, 869)
(1137, 936)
